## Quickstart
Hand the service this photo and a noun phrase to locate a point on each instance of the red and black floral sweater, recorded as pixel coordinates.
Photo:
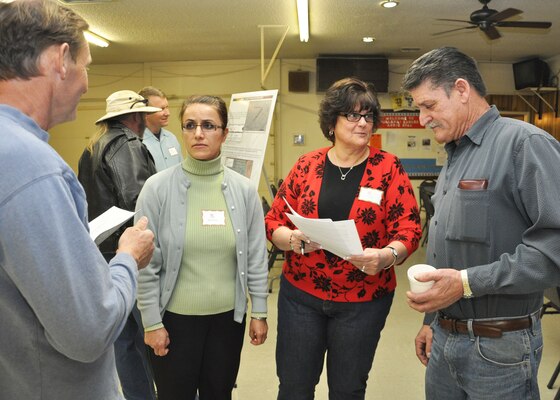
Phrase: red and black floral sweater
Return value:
(395, 218)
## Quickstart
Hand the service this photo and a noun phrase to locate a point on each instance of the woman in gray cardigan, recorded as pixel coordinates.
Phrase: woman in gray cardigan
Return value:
(210, 255)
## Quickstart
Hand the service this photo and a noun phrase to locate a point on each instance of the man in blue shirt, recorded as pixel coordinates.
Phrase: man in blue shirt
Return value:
(493, 237)
(162, 144)
(61, 305)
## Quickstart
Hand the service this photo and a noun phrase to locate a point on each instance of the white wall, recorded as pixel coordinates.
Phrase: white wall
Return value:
(296, 113)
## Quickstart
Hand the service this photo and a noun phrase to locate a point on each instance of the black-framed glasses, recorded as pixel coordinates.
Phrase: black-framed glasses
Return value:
(355, 117)
(206, 127)
(143, 101)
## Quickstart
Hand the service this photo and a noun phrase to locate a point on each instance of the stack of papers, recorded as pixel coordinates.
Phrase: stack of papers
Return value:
(338, 237)
(107, 223)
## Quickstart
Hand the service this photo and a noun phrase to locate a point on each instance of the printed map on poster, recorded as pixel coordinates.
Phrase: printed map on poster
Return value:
(250, 117)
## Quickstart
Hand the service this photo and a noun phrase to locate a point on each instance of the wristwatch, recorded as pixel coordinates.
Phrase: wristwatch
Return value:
(395, 256)
(467, 292)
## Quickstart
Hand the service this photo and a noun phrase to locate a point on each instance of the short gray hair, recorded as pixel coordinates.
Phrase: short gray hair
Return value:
(442, 67)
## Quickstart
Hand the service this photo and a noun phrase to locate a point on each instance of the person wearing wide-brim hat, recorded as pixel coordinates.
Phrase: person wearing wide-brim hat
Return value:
(112, 170)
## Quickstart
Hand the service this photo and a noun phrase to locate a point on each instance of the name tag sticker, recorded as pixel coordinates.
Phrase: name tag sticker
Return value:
(371, 195)
(173, 151)
(210, 217)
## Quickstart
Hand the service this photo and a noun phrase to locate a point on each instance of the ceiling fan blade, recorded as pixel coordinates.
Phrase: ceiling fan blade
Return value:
(453, 30)
(505, 14)
(491, 32)
(524, 24)
(456, 20)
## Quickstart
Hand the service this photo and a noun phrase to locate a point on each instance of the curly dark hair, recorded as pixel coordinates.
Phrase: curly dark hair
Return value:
(342, 97)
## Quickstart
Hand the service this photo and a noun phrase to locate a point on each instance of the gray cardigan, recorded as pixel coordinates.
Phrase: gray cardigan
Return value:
(163, 200)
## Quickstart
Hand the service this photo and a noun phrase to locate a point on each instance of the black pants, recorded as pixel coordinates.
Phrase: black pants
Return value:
(204, 355)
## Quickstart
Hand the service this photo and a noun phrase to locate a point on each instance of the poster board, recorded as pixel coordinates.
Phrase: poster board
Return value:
(250, 118)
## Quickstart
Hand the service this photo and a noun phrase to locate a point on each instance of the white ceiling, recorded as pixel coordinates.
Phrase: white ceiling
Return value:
(186, 30)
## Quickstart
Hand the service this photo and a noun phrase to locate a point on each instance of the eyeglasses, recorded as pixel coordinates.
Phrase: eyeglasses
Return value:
(143, 101)
(206, 127)
(355, 117)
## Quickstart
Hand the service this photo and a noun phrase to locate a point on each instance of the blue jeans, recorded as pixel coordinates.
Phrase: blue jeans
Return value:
(465, 366)
(309, 327)
(131, 357)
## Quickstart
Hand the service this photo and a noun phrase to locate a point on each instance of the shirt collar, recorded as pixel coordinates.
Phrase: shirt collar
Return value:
(480, 127)
(27, 122)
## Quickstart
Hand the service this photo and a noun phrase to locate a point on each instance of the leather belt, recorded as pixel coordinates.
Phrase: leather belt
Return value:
(490, 329)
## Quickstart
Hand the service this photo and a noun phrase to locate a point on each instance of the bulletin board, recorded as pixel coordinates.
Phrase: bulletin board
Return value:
(401, 133)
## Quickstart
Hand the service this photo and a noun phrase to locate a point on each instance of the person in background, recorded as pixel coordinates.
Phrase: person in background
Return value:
(61, 305)
(210, 256)
(162, 144)
(112, 170)
(328, 304)
(493, 238)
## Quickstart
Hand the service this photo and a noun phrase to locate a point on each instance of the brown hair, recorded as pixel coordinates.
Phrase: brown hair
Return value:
(151, 91)
(213, 101)
(28, 28)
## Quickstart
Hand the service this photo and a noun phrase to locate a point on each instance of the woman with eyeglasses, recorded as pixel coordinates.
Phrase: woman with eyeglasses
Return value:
(328, 304)
(210, 256)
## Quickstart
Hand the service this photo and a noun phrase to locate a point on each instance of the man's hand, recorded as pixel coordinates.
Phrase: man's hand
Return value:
(423, 344)
(138, 242)
(158, 340)
(447, 289)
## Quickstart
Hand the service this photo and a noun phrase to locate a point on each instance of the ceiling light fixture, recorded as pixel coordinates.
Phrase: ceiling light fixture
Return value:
(368, 39)
(389, 3)
(96, 39)
(303, 19)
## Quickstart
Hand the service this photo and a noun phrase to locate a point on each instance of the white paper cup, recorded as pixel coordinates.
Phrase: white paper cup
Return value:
(417, 286)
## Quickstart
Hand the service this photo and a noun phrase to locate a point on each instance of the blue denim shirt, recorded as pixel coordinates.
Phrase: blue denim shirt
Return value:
(61, 306)
(166, 151)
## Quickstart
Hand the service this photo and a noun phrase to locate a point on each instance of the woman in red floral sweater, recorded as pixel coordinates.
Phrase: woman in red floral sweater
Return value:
(328, 304)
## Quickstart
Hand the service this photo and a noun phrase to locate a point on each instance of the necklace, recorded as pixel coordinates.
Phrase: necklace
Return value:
(343, 175)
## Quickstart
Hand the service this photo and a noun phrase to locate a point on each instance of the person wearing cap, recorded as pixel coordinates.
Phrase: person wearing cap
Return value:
(162, 144)
(112, 170)
(61, 305)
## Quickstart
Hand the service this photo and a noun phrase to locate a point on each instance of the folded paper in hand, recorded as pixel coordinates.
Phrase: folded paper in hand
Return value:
(107, 223)
(338, 237)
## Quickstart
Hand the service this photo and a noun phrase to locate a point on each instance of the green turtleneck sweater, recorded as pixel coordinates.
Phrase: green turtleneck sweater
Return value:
(206, 280)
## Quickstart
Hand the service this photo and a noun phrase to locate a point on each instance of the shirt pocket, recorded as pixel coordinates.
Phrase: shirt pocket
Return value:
(468, 216)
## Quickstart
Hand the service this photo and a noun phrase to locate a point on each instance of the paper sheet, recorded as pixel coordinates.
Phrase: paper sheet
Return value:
(338, 237)
(103, 226)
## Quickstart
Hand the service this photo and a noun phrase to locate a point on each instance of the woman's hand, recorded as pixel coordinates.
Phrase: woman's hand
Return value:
(258, 329)
(158, 340)
(300, 244)
(372, 260)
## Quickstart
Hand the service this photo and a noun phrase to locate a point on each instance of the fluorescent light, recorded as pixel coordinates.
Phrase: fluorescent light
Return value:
(303, 19)
(389, 4)
(95, 39)
(368, 39)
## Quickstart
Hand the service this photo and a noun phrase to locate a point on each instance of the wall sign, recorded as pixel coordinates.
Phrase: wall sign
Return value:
(400, 120)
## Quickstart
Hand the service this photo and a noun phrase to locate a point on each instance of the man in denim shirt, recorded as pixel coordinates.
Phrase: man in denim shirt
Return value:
(61, 305)
(493, 239)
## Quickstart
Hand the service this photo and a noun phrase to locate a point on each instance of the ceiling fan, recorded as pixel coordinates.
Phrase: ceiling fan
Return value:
(488, 19)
